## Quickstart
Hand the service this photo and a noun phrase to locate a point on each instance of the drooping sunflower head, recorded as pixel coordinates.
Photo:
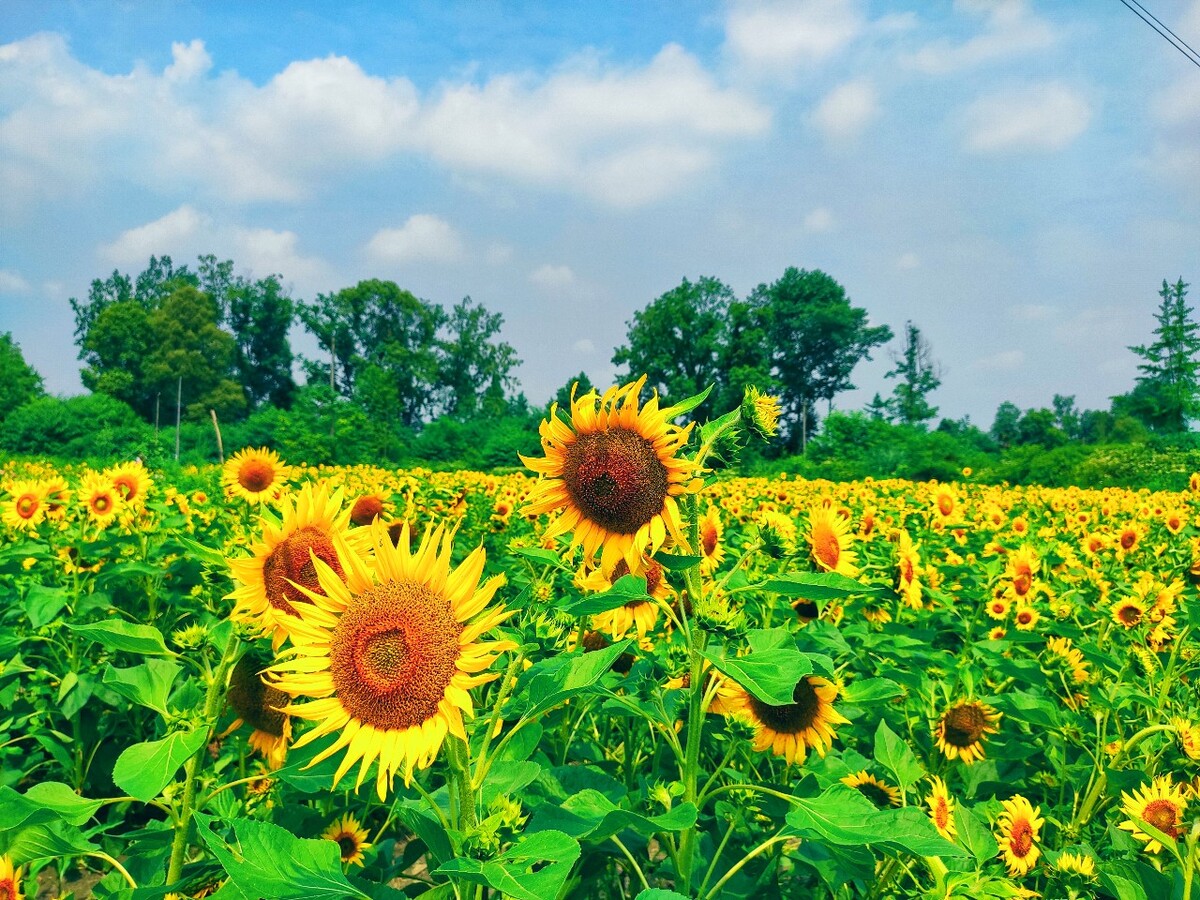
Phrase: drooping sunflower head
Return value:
(132, 481)
(10, 880)
(792, 730)
(97, 495)
(713, 554)
(350, 837)
(1160, 804)
(391, 654)
(941, 809)
(877, 791)
(963, 728)
(1019, 827)
(366, 509)
(613, 473)
(830, 541)
(25, 507)
(257, 475)
(260, 706)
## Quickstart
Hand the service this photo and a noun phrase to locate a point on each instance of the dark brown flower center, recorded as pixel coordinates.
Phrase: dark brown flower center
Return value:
(366, 510)
(393, 653)
(27, 505)
(708, 539)
(1129, 614)
(963, 726)
(1128, 539)
(348, 846)
(794, 717)
(1020, 838)
(616, 479)
(256, 475)
(1164, 816)
(290, 561)
(256, 702)
(876, 794)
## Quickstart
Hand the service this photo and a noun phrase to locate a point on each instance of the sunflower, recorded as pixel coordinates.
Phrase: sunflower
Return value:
(26, 508)
(366, 509)
(273, 581)
(639, 614)
(829, 537)
(998, 607)
(713, 554)
(1076, 864)
(351, 838)
(255, 475)
(614, 474)
(260, 706)
(1019, 828)
(1023, 567)
(100, 498)
(10, 880)
(1026, 618)
(908, 568)
(997, 634)
(1189, 737)
(792, 730)
(1160, 804)
(941, 809)
(133, 482)
(963, 727)
(56, 493)
(878, 792)
(1128, 612)
(1070, 657)
(392, 654)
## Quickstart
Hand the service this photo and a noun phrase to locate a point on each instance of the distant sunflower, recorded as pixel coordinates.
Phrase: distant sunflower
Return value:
(1128, 612)
(908, 571)
(10, 880)
(1026, 618)
(945, 502)
(830, 541)
(26, 507)
(1160, 804)
(1023, 566)
(713, 554)
(1189, 737)
(1020, 826)
(963, 728)
(614, 474)
(272, 581)
(260, 706)
(254, 474)
(792, 730)
(392, 654)
(100, 498)
(366, 509)
(350, 837)
(878, 792)
(57, 494)
(133, 482)
(1070, 657)
(941, 809)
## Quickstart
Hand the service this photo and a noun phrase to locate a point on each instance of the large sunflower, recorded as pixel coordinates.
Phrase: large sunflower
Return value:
(792, 730)
(1020, 825)
(614, 475)
(830, 539)
(26, 506)
(133, 481)
(256, 475)
(391, 655)
(1161, 804)
(271, 582)
(10, 880)
(963, 727)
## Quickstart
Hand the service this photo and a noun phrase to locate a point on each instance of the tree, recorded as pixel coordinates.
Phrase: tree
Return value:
(1067, 417)
(815, 338)
(1006, 426)
(581, 384)
(476, 369)
(1171, 367)
(918, 377)
(260, 316)
(157, 281)
(19, 381)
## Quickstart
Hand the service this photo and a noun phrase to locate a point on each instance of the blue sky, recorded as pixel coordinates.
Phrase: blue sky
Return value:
(1017, 178)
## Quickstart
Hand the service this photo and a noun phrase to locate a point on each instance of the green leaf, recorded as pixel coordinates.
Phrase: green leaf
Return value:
(974, 835)
(119, 635)
(660, 894)
(417, 818)
(512, 871)
(551, 682)
(44, 802)
(896, 756)
(673, 563)
(540, 555)
(770, 675)
(683, 407)
(843, 816)
(626, 589)
(1026, 707)
(775, 638)
(268, 861)
(147, 685)
(207, 555)
(819, 586)
(871, 690)
(589, 815)
(48, 840)
(43, 603)
(143, 770)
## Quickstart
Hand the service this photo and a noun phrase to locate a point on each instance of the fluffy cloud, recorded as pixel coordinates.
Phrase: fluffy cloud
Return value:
(12, 283)
(818, 221)
(422, 238)
(1043, 116)
(1009, 29)
(847, 110)
(551, 277)
(785, 35)
(908, 261)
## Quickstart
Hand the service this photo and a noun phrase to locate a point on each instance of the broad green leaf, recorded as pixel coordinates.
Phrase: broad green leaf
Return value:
(660, 894)
(143, 770)
(674, 563)
(147, 685)
(506, 777)
(119, 635)
(510, 872)
(540, 555)
(549, 683)
(819, 586)
(207, 555)
(770, 675)
(627, 589)
(973, 834)
(871, 690)
(268, 861)
(683, 407)
(47, 840)
(896, 756)
(589, 815)
(417, 818)
(775, 638)
(843, 816)
(1026, 707)
(43, 604)
(44, 802)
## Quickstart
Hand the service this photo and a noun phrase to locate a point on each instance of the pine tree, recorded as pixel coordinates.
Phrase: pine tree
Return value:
(919, 377)
(1170, 379)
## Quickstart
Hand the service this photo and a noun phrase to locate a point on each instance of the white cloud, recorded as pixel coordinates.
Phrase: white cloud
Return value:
(847, 110)
(422, 238)
(584, 345)
(178, 228)
(12, 283)
(818, 221)
(190, 61)
(1009, 29)
(908, 261)
(552, 277)
(781, 36)
(1040, 116)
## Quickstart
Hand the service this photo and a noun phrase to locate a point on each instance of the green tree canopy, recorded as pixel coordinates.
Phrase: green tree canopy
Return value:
(917, 377)
(19, 381)
(1167, 394)
(476, 368)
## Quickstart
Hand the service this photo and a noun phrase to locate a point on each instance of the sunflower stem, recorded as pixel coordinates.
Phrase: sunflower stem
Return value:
(458, 757)
(691, 763)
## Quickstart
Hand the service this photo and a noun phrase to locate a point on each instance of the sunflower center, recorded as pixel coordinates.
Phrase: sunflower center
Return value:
(8, 890)
(1163, 815)
(366, 510)
(1128, 539)
(26, 506)
(941, 813)
(1020, 840)
(825, 546)
(945, 504)
(794, 717)
(1129, 614)
(708, 539)
(127, 487)
(1022, 583)
(256, 475)
(393, 654)
(101, 504)
(255, 701)
(964, 725)
(875, 794)
(616, 479)
(347, 846)
(291, 561)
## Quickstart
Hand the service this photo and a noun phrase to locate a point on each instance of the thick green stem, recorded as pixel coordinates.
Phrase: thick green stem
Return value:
(458, 756)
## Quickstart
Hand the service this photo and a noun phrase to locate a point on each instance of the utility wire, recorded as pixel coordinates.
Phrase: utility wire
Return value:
(1165, 33)
(1167, 28)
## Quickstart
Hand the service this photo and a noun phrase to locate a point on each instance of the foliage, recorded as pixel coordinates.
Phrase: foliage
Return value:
(19, 381)
(91, 426)
(1170, 379)
(917, 377)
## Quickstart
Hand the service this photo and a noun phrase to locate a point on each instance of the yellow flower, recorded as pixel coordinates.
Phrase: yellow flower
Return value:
(351, 839)
(941, 809)
(1076, 864)
(10, 880)
(830, 541)
(963, 728)
(878, 792)
(792, 730)
(255, 475)
(1160, 804)
(1020, 826)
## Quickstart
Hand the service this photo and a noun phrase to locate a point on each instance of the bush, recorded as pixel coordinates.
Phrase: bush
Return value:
(93, 426)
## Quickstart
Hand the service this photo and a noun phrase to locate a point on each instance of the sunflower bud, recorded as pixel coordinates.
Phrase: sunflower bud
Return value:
(761, 412)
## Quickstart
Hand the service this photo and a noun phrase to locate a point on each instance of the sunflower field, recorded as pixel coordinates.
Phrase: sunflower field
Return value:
(616, 673)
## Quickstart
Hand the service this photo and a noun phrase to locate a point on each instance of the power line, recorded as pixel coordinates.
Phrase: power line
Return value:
(1165, 33)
